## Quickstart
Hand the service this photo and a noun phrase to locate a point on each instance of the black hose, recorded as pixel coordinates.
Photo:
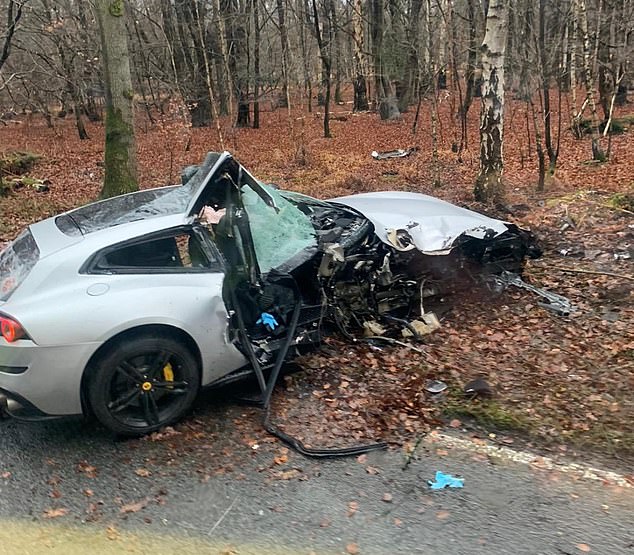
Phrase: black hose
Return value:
(318, 453)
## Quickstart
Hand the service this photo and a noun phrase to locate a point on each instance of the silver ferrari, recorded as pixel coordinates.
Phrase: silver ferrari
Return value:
(125, 308)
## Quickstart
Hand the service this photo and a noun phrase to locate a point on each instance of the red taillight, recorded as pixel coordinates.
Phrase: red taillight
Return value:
(11, 330)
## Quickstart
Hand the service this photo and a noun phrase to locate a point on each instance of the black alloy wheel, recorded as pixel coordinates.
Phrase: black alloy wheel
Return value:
(143, 384)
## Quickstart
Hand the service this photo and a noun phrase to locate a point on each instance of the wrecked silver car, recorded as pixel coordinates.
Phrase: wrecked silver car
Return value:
(124, 308)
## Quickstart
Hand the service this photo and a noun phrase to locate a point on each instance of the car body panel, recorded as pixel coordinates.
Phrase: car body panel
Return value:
(52, 383)
(433, 224)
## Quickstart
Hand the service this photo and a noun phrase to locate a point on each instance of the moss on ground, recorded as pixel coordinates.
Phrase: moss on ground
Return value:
(17, 163)
(488, 413)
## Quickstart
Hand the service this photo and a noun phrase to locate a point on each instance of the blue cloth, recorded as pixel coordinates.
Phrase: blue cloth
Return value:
(268, 321)
(445, 480)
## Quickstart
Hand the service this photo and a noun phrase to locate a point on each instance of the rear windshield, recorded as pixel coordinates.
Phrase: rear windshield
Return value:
(16, 261)
(124, 209)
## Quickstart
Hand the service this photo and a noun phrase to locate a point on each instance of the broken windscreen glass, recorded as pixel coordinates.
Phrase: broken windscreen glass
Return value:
(278, 236)
(16, 261)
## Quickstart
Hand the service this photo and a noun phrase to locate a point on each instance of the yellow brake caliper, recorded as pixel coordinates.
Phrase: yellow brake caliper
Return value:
(168, 373)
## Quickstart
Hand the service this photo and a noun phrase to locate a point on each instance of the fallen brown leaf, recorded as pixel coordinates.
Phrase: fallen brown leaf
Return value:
(87, 469)
(352, 549)
(55, 513)
(353, 506)
(583, 547)
(442, 515)
(134, 507)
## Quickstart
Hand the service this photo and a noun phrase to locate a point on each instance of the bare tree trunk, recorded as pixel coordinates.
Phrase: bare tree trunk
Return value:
(545, 79)
(325, 51)
(472, 57)
(239, 60)
(574, 115)
(120, 156)
(410, 78)
(221, 31)
(541, 158)
(207, 66)
(281, 18)
(308, 84)
(14, 14)
(386, 100)
(360, 86)
(256, 64)
(489, 186)
(597, 151)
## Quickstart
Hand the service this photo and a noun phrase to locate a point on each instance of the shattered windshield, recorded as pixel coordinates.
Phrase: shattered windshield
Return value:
(16, 261)
(278, 236)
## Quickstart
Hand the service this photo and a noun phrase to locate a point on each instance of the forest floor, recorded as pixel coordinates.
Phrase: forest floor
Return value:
(562, 383)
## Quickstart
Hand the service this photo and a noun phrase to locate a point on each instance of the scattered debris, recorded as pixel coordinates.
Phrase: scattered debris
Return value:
(429, 324)
(372, 327)
(435, 386)
(398, 153)
(478, 388)
(557, 303)
(445, 481)
(39, 185)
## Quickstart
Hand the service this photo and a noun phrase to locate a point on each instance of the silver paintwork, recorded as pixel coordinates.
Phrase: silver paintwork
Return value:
(433, 224)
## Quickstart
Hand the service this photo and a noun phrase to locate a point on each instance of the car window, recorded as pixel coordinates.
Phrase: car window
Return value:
(16, 261)
(181, 251)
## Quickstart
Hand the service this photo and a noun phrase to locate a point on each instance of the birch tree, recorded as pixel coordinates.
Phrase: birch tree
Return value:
(489, 186)
(360, 103)
(120, 156)
(582, 18)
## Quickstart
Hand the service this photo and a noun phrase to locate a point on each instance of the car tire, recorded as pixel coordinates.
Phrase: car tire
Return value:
(143, 383)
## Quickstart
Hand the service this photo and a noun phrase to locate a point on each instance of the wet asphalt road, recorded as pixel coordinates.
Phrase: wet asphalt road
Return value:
(214, 493)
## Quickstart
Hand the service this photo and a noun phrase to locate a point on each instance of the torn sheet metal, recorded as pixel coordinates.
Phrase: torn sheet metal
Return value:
(556, 303)
(407, 220)
(398, 153)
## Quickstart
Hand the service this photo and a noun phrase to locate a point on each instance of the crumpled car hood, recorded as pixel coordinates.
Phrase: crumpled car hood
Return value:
(432, 224)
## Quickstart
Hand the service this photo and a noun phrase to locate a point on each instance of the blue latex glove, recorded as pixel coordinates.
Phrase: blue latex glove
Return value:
(445, 480)
(268, 321)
